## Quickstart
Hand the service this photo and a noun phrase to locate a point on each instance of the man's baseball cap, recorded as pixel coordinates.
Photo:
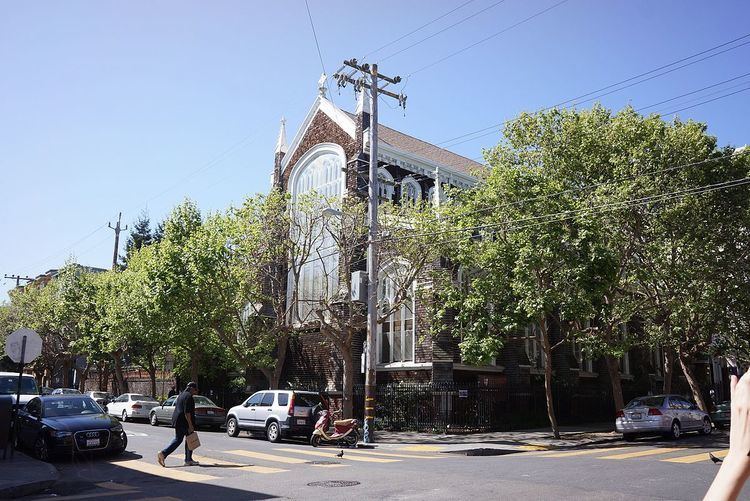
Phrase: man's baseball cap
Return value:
(192, 384)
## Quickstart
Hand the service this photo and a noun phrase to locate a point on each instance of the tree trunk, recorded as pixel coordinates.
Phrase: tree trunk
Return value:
(122, 384)
(613, 369)
(66, 373)
(152, 376)
(105, 370)
(280, 360)
(547, 349)
(690, 376)
(83, 376)
(195, 358)
(348, 383)
(668, 369)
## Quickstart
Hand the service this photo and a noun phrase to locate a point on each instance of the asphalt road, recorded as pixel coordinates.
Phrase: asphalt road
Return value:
(252, 468)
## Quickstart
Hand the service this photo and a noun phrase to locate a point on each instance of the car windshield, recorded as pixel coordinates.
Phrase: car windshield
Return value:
(306, 399)
(70, 391)
(142, 398)
(66, 407)
(9, 385)
(98, 394)
(203, 401)
(646, 402)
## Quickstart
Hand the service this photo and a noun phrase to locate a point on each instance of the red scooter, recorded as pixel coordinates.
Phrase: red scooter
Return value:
(345, 431)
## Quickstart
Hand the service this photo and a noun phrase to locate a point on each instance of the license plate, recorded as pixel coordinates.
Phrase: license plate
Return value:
(636, 415)
(92, 442)
(301, 421)
(211, 413)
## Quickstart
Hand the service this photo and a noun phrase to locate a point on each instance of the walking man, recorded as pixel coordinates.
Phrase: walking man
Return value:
(183, 420)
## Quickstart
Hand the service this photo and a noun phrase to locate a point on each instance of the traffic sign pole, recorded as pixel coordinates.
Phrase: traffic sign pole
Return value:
(18, 398)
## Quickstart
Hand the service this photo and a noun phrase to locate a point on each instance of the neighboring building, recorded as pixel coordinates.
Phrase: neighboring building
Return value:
(328, 154)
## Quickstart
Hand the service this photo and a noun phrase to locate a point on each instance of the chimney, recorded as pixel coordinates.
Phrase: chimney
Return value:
(281, 149)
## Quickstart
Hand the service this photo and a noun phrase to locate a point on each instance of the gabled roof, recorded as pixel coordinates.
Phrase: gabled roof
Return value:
(411, 144)
(396, 140)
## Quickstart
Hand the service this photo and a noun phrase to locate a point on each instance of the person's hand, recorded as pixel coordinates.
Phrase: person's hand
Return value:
(739, 434)
(736, 466)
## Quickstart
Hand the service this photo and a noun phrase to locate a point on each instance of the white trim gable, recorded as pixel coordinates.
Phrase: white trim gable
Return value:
(320, 104)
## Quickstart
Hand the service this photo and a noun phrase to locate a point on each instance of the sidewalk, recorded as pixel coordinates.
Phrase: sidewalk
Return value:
(537, 439)
(23, 476)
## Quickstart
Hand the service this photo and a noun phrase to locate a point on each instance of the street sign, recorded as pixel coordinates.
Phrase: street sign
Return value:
(14, 345)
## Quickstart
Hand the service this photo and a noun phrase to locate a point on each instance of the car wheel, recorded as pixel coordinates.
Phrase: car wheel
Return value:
(628, 437)
(124, 445)
(707, 428)
(273, 432)
(154, 420)
(124, 416)
(675, 431)
(41, 449)
(232, 428)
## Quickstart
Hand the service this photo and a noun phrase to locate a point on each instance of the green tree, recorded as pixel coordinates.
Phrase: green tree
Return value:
(140, 236)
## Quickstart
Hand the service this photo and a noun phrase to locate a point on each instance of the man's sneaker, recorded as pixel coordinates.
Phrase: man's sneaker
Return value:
(192, 463)
(160, 458)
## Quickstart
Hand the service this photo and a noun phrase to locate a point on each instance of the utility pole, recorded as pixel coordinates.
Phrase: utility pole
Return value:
(18, 279)
(117, 239)
(372, 234)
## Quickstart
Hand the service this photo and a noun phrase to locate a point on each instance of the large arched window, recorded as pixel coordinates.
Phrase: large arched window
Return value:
(319, 171)
(396, 333)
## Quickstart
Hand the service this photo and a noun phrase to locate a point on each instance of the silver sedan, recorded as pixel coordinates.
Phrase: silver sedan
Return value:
(670, 415)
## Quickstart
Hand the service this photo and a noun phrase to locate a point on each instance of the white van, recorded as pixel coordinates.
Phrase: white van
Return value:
(9, 386)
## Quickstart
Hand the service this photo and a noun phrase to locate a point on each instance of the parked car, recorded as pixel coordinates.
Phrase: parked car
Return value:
(100, 397)
(9, 386)
(53, 425)
(277, 413)
(721, 417)
(45, 390)
(207, 413)
(670, 415)
(65, 391)
(131, 406)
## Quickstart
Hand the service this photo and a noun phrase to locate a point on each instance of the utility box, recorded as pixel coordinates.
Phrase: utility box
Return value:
(359, 287)
(6, 410)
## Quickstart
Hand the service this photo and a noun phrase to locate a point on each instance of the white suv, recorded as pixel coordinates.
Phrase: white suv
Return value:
(277, 413)
(9, 386)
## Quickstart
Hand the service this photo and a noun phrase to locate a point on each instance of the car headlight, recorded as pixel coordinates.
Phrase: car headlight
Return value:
(61, 434)
(116, 428)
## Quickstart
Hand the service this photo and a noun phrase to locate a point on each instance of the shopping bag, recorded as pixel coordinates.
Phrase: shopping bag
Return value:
(193, 442)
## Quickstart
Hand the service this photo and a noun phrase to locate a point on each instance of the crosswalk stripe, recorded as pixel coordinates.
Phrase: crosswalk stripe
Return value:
(647, 452)
(267, 457)
(579, 452)
(331, 455)
(218, 463)
(391, 455)
(422, 448)
(173, 472)
(697, 458)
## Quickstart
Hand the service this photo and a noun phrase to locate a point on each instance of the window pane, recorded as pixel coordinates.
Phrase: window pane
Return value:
(409, 339)
(397, 335)
(385, 345)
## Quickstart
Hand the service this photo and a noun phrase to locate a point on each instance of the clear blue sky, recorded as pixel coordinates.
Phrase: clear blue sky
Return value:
(114, 106)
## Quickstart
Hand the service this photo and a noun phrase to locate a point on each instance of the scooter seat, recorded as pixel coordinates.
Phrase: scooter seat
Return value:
(343, 422)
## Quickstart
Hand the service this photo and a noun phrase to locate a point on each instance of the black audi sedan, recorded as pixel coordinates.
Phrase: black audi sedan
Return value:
(57, 425)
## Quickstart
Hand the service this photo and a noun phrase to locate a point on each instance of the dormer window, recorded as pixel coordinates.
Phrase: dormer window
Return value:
(410, 190)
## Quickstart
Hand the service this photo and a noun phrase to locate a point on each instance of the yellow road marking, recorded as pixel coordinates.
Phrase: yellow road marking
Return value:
(267, 457)
(332, 455)
(388, 454)
(218, 463)
(113, 486)
(533, 448)
(696, 458)
(581, 452)
(647, 452)
(422, 448)
(173, 473)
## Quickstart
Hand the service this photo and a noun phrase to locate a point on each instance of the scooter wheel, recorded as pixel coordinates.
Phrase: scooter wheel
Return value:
(315, 440)
(352, 439)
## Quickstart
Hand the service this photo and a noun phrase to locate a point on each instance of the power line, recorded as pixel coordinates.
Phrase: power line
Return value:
(416, 30)
(441, 31)
(523, 21)
(317, 45)
(692, 92)
(661, 111)
(708, 101)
